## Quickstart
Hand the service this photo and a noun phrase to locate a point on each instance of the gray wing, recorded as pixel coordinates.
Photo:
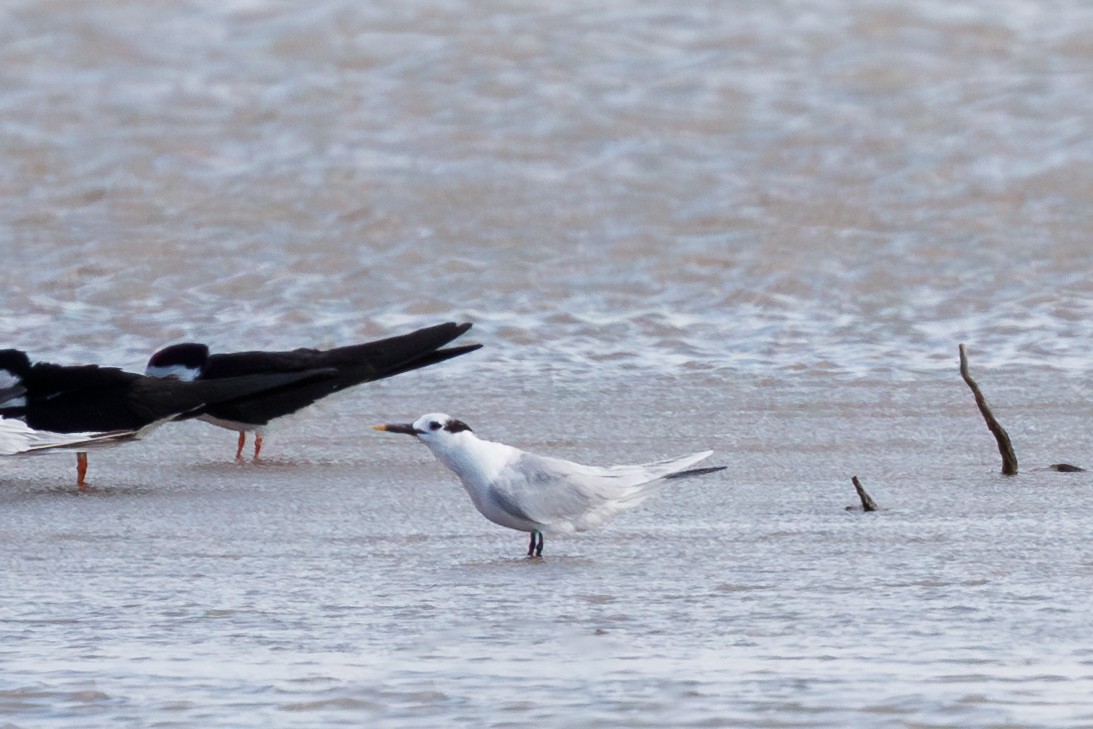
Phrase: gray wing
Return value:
(567, 496)
(543, 491)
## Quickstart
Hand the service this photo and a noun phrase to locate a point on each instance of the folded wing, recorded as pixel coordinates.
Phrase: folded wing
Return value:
(564, 496)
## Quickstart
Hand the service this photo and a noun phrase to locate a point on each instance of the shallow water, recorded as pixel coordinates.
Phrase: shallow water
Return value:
(761, 228)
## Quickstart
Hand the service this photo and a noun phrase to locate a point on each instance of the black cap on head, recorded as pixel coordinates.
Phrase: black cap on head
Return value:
(15, 361)
(454, 426)
(188, 354)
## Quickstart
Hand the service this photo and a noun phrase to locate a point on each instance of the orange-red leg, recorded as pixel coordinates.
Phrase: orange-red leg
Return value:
(257, 445)
(81, 469)
(242, 442)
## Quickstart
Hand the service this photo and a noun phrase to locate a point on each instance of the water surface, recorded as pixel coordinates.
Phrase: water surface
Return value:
(761, 228)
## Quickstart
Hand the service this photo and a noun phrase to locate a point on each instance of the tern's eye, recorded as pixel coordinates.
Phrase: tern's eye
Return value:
(434, 425)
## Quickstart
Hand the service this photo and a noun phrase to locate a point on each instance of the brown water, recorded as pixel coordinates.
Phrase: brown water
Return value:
(761, 228)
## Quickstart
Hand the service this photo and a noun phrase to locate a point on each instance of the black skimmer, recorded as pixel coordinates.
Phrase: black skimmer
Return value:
(103, 403)
(355, 364)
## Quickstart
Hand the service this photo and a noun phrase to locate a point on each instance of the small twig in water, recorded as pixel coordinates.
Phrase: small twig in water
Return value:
(867, 503)
(1005, 447)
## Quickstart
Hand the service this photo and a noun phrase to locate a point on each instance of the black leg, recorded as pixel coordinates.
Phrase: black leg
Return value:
(531, 545)
(539, 546)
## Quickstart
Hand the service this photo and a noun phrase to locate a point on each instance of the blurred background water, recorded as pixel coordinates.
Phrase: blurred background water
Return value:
(757, 227)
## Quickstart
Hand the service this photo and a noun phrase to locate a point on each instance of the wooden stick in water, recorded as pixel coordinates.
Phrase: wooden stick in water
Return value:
(1005, 447)
(867, 503)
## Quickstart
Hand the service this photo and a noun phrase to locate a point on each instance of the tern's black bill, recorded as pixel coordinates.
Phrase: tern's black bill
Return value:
(406, 428)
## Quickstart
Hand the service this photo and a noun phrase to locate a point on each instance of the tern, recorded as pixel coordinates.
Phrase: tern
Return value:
(355, 364)
(84, 400)
(539, 494)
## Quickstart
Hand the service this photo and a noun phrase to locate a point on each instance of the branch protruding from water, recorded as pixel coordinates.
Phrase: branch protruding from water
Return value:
(1005, 447)
(867, 503)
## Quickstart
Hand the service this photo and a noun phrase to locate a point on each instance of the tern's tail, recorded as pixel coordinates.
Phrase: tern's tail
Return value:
(651, 477)
(696, 472)
(623, 487)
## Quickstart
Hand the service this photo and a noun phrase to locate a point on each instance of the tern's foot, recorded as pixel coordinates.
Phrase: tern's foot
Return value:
(535, 546)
